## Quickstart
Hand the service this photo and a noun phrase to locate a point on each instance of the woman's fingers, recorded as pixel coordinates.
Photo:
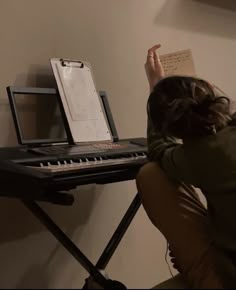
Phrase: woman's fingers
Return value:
(152, 52)
(154, 48)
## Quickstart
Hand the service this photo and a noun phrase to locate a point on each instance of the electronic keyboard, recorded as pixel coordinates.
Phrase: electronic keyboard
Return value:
(43, 173)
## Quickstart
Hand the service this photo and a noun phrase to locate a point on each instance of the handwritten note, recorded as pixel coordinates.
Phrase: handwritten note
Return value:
(178, 63)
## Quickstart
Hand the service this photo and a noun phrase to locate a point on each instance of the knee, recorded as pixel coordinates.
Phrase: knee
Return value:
(151, 189)
(147, 174)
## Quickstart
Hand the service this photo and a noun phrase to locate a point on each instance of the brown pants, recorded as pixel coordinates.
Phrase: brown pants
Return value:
(180, 216)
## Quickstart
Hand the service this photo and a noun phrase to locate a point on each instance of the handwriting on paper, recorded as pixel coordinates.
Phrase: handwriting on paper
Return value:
(178, 63)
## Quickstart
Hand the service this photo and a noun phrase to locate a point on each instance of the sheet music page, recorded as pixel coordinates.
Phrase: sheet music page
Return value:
(178, 63)
(80, 93)
(81, 103)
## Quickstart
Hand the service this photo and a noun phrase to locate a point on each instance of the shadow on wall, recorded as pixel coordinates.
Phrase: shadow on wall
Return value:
(35, 273)
(225, 4)
(199, 16)
(16, 222)
(37, 76)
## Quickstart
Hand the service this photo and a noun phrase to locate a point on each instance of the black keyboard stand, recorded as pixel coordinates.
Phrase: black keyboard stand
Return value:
(65, 183)
(109, 250)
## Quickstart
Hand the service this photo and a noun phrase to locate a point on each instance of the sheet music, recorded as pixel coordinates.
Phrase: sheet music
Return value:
(76, 85)
(81, 102)
(178, 63)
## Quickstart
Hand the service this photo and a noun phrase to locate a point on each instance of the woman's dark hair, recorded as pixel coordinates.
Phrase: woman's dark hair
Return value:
(186, 107)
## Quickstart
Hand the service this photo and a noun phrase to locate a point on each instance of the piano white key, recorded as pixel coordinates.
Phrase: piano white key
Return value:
(74, 166)
(71, 163)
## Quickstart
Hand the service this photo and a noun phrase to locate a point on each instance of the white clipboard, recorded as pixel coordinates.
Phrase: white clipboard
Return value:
(81, 102)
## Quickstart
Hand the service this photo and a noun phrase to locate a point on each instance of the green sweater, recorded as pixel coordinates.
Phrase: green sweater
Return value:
(208, 163)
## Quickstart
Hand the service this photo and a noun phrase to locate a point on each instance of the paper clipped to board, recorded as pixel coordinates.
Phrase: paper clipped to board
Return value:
(81, 102)
(178, 63)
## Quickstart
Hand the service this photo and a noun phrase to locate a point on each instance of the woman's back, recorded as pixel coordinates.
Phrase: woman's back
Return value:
(210, 164)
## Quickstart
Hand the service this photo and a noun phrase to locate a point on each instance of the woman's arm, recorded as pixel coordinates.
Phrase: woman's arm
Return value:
(153, 67)
(155, 72)
(164, 150)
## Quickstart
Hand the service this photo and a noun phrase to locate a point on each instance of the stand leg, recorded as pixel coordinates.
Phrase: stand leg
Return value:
(119, 233)
(117, 236)
(66, 242)
(75, 251)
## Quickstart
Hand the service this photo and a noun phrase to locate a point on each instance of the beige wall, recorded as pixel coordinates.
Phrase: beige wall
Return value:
(113, 35)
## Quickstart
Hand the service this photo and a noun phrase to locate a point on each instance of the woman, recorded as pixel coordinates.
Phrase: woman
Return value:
(202, 240)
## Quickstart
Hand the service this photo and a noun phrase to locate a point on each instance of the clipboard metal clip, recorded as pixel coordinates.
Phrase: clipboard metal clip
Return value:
(71, 63)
